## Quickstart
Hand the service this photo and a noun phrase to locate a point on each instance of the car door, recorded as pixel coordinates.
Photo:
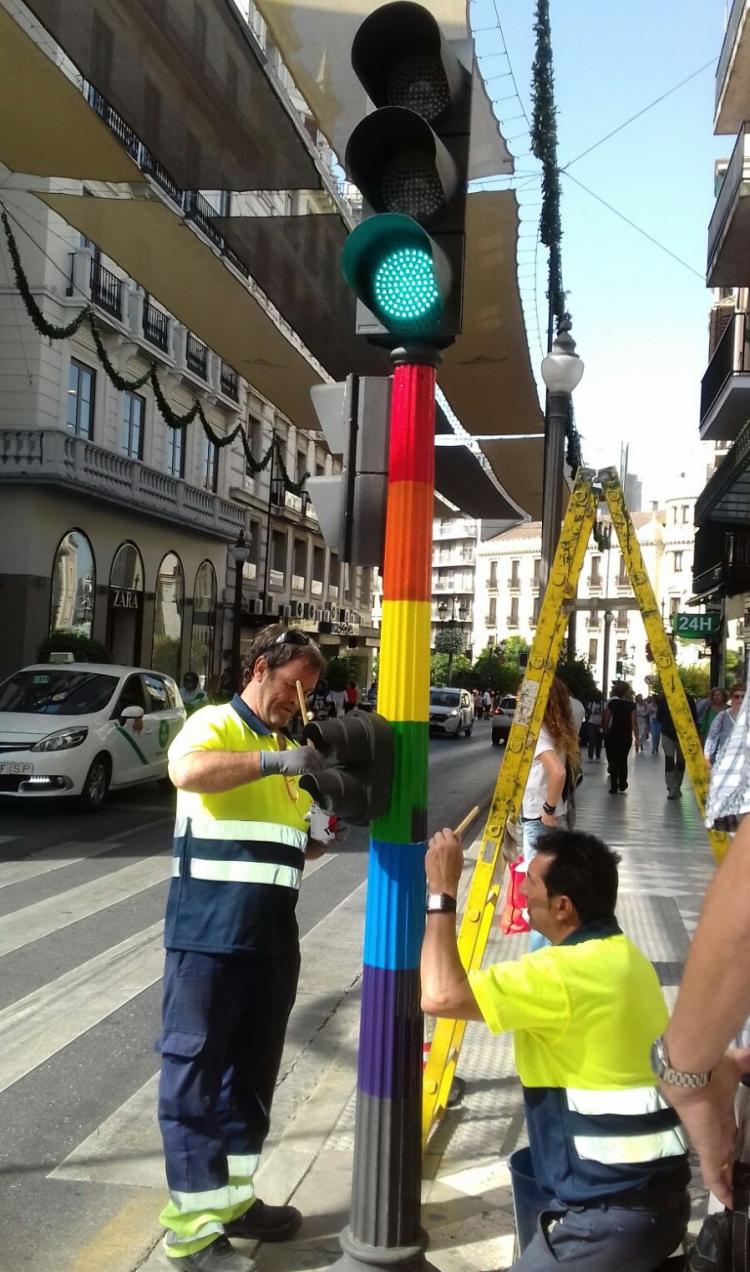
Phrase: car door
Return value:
(164, 719)
(128, 739)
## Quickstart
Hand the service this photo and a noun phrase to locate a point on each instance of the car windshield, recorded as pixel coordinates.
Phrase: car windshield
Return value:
(508, 704)
(444, 697)
(56, 691)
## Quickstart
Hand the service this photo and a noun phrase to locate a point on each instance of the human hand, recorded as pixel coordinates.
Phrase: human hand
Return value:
(444, 862)
(709, 1119)
(292, 762)
(549, 819)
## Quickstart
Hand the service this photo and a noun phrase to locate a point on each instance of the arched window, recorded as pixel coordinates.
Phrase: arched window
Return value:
(127, 569)
(168, 608)
(204, 621)
(73, 586)
(125, 612)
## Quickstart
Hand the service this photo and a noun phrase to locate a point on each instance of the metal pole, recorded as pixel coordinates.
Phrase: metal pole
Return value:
(554, 458)
(385, 1228)
(237, 625)
(266, 607)
(608, 616)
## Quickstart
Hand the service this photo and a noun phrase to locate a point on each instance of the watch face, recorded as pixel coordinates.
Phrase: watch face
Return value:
(658, 1057)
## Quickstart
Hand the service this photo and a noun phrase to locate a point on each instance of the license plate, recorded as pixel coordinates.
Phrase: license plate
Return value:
(9, 767)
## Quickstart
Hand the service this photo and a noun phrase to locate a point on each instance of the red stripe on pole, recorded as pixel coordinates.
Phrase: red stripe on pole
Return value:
(412, 451)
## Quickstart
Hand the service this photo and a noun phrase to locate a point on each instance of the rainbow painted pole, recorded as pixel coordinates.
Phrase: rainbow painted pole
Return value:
(385, 1227)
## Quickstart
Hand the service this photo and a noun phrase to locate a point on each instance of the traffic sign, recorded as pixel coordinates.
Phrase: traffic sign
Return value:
(696, 626)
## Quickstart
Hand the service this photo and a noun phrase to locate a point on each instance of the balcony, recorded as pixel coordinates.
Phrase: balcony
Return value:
(298, 582)
(458, 529)
(106, 289)
(490, 620)
(725, 387)
(594, 582)
(722, 561)
(729, 227)
(276, 579)
(593, 620)
(52, 457)
(230, 383)
(726, 497)
(316, 587)
(196, 356)
(733, 71)
(155, 326)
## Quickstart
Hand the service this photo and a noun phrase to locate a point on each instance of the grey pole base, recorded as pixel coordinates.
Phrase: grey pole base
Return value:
(357, 1255)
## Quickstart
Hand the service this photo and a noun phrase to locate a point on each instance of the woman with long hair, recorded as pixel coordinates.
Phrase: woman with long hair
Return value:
(545, 805)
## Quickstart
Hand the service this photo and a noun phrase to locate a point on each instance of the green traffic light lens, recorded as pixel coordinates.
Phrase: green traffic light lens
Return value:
(405, 286)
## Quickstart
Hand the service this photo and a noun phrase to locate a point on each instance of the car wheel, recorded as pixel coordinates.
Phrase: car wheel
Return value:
(96, 785)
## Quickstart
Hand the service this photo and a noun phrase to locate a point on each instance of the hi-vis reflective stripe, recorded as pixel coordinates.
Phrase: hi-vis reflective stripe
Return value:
(241, 872)
(613, 1150)
(633, 1102)
(249, 831)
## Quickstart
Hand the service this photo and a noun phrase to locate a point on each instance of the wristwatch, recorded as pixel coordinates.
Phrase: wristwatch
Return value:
(674, 1077)
(549, 809)
(440, 903)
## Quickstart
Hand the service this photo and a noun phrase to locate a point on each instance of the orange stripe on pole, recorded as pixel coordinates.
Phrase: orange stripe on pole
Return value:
(407, 561)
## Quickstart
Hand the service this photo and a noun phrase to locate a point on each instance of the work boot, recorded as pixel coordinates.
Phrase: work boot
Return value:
(266, 1223)
(219, 1256)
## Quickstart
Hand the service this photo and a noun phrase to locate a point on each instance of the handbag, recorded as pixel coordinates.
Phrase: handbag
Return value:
(513, 919)
(723, 1243)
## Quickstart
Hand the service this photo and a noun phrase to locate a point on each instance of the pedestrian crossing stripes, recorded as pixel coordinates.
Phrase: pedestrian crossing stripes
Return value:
(57, 856)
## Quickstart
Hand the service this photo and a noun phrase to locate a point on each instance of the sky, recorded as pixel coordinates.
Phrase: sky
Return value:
(640, 318)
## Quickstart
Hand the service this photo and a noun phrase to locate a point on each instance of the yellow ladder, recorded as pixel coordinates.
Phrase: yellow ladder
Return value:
(486, 880)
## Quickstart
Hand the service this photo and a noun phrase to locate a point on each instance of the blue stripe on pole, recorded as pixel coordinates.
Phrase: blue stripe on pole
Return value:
(394, 923)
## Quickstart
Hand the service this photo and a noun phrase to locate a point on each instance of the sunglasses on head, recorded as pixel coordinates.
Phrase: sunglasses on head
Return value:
(292, 637)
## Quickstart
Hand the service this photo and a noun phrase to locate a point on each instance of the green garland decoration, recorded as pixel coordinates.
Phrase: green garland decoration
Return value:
(122, 383)
(544, 147)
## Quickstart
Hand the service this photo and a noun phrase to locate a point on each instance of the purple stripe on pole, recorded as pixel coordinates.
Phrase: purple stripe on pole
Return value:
(390, 1038)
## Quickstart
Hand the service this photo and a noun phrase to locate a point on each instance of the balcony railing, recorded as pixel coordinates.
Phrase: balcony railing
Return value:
(199, 210)
(115, 122)
(155, 326)
(737, 173)
(593, 620)
(490, 620)
(53, 457)
(513, 620)
(594, 580)
(230, 382)
(727, 48)
(721, 417)
(196, 356)
(106, 289)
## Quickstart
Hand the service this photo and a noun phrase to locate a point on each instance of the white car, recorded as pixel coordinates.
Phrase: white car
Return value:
(451, 711)
(80, 728)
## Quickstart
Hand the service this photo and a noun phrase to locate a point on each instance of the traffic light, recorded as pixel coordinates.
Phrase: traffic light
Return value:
(351, 505)
(409, 158)
(618, 667)
(358, 785)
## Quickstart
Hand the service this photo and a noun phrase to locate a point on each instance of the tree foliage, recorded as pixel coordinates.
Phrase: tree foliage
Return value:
(449, 640)
(460, 670)
(576, 673)
(83, 648)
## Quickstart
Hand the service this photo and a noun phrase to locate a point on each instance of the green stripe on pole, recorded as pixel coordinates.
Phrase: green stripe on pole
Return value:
(398, 826)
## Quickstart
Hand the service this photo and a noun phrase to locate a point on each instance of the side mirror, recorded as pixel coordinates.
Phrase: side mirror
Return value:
(132, 713)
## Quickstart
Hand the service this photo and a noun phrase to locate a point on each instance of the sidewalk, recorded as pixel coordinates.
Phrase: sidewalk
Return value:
(666, 866)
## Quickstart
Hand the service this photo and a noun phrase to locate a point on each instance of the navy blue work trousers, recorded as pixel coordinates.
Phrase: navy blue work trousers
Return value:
(224, 1024)
(605, 1238)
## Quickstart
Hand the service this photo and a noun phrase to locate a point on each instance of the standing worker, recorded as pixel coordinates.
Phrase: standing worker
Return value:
(232, 958)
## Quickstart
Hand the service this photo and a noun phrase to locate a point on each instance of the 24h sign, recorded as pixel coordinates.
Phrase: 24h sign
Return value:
(696, 626)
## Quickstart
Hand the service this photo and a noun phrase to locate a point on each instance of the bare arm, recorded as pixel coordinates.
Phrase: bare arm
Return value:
(555, 770)
(209, 772)
(445, 986)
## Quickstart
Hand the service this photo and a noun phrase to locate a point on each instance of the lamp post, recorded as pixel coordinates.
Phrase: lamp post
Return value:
(463, 614)
(561, 371)
(239, 553)
(608, 619)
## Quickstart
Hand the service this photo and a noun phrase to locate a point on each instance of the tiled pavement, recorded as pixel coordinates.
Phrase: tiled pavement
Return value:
(468, 1214)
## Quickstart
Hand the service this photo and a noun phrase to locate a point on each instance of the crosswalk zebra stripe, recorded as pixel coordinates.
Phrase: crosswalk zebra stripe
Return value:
(39, 1025)
(45, 917)
(59, 855)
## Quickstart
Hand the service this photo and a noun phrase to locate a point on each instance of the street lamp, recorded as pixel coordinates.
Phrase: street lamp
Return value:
(561, 371)
(239, 553)
(443, 610)
(608, 620)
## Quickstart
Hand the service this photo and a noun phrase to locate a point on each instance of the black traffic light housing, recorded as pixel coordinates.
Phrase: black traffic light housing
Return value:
(358, 785)
(410, 160)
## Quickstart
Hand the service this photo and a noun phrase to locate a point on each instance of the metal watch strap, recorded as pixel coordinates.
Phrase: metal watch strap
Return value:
(675, 1077)
(440, 903)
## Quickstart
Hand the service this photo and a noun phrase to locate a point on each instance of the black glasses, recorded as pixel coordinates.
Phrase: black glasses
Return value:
(293, 637)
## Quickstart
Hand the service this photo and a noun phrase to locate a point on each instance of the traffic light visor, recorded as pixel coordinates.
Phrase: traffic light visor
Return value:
(398, 271)
(400, 56)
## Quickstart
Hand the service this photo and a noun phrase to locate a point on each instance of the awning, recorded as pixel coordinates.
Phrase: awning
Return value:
(159, 249)
(460, 477)
(46, 126)
(297, 261)
(486, 375)
(187, 80)
(726, 497)
(315, 38)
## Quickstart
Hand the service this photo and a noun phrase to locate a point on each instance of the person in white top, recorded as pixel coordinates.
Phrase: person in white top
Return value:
(544, 805)
(336, 699)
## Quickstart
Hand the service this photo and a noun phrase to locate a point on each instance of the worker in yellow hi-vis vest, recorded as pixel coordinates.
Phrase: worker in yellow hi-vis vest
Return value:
(232, 961)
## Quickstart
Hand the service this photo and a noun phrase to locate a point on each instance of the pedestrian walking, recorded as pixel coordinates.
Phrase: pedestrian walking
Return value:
(723, 724)
(620, 731)
(674, 760)
(594, 733)
(351, 697)
(487, 704)
(717, 701)
(642, 723)
(232, 960)
(336, 700)
(652, 703)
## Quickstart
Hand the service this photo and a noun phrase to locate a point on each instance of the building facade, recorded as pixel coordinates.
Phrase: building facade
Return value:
(116, 522)
(454, 548)
(508, 597)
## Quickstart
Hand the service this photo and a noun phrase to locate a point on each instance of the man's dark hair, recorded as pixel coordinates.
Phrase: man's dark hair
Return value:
(279, 645)
(583, 868)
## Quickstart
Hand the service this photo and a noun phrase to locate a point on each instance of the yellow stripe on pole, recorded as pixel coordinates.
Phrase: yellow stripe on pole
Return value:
(405, 693)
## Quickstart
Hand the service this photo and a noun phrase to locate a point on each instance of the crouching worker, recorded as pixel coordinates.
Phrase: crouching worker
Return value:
(607, 1152)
